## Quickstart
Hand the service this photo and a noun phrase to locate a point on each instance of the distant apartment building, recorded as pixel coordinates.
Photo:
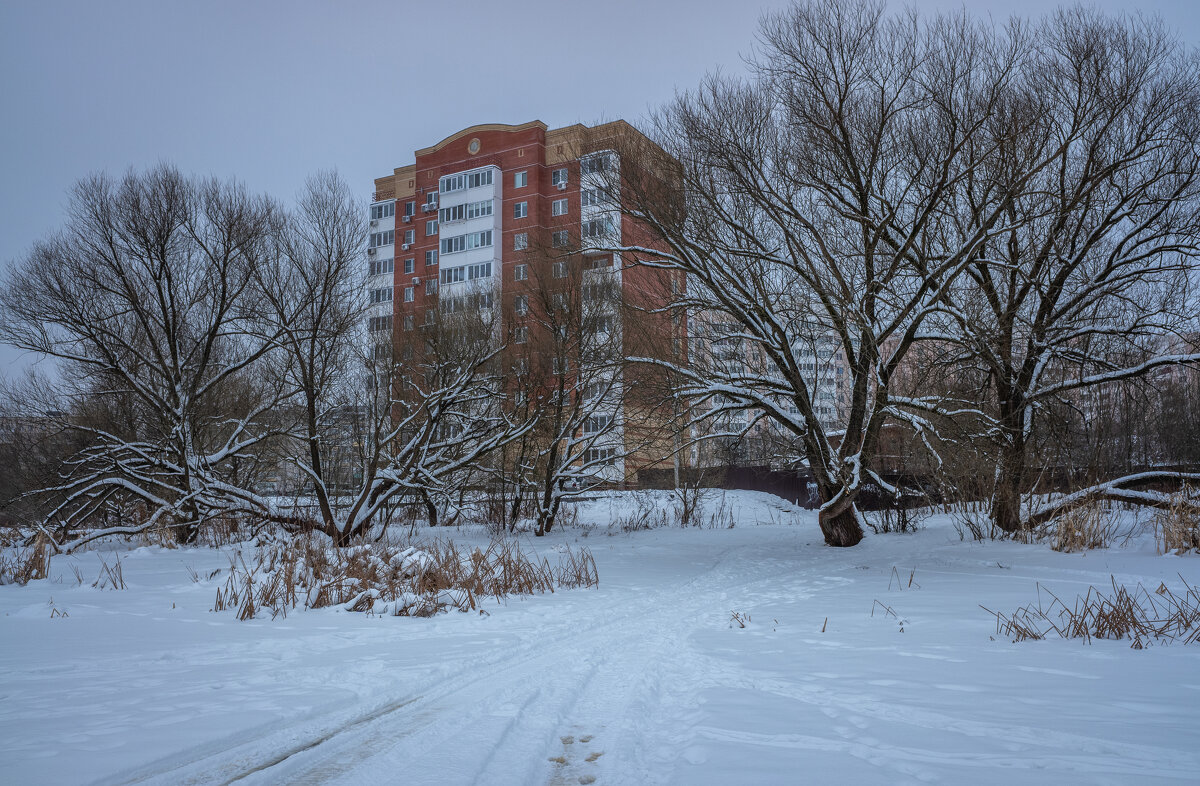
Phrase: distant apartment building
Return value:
(455, 229)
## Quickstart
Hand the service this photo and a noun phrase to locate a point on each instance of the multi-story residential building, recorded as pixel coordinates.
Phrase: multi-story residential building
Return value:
(458, 226)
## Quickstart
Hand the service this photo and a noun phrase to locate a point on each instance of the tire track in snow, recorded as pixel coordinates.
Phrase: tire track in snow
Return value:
(276, 745)
(565, 685)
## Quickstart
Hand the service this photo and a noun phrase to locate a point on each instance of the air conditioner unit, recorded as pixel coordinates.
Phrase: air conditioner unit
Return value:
(407, 219)
(370, 252)
(404, 247)
(374, 222)
(562, 186)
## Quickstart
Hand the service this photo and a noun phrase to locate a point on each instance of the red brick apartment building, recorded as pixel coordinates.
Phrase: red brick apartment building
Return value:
(465, 215)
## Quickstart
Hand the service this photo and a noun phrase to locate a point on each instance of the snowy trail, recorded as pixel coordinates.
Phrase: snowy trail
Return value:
(583, 688)
(845, 673)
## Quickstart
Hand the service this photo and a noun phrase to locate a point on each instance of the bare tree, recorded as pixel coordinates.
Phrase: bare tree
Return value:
(1092, 279)
(823, 193)
(566, 327)
(143, 297)
(430, 412)
(313, 297)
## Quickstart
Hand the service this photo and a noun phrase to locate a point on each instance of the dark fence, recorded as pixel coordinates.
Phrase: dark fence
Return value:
(796, 486)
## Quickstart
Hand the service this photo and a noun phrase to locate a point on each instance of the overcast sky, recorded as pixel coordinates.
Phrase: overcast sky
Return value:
(268, 92)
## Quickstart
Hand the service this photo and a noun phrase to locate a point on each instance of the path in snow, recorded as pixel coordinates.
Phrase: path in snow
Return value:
(640, 681)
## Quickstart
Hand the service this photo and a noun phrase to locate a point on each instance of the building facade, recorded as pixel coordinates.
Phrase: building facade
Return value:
(458, 227)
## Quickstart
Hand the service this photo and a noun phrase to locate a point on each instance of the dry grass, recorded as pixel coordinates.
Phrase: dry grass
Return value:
(1085, 527)
(111, 576)
(384, 579)
(24, 565)
(1177, 529)
(1138, 615)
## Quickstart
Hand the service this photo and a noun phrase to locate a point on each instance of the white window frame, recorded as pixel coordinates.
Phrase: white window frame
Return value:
(520, 241)
(521, 179)
(558, 207)
(520, 272)
(520, 210)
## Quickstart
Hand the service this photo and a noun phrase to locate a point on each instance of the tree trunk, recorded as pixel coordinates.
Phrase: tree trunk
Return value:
(841, 527)
(430, 508)
(1006, 497)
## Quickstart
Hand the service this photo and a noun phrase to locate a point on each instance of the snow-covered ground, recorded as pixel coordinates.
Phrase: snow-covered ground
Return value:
(643, 680)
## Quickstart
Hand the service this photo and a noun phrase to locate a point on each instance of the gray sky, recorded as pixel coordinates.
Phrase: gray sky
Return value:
(270, 91)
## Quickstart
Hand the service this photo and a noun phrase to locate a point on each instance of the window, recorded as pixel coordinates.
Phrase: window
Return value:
(431, 227)
(521, 305)
(521, 366)
(560, 301)
(431, 200)
(452, 245)
(380, 324)
(410, 208)
(599, 456)
(594, 165)
(431, 257)
(558, 207)
(466, 211)
(598, 227)
(604, 324)
(597, 423)
(408, 294)
(409, 236)
(480, 177)
(520, 272)
(597, 262)
(453, 275)
(481, 270)
(382, 238)
(520, 334)
(408, 321)
(520, 210)
(559, 239)
(431, 286)
(520, 241)
(591, 197)
(561, 365)
(558, 176)
(383, 210)
(409, 266)
(430, 316)
(381, 295)
(560, 269)
(521, 179)
(377, 267)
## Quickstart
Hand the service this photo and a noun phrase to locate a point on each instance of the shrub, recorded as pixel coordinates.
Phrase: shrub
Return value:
(1177, 528)
(386, 579)
(1084, 527)
(23, 565)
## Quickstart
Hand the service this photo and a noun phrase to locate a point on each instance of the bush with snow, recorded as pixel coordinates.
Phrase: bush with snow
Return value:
(284, 573)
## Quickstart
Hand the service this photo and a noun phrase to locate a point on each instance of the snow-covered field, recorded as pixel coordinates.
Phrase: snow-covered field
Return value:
(643, 680)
